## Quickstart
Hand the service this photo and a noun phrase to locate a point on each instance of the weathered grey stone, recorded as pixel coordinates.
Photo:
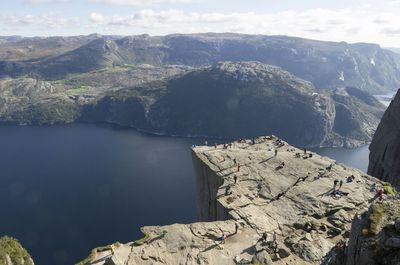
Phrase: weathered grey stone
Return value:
(393, 242)
(263, 258)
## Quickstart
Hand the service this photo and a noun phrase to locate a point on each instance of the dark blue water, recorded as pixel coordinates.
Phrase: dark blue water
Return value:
(67, 189)
(357, 157)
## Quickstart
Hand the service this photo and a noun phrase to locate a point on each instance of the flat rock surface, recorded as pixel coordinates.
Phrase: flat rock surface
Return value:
(294, 205)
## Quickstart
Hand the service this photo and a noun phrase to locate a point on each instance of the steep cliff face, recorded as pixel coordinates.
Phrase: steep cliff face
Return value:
(208, 183)
(375, 236)
(12, 253)
(268, 213)
(384, 158)
(357, 115)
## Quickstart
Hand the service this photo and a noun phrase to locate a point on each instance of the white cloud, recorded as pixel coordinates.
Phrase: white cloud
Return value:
(97, 18)
(351, 25)
(336, 25)
(44, 1)
(46, 21)
(139, 2)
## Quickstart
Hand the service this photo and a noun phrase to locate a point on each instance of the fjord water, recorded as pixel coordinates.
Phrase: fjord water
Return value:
(357, 157)
(67, 189)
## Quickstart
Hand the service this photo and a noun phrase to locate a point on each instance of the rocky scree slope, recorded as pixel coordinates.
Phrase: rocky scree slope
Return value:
(327, 65)
(293, 204)
(384, 158)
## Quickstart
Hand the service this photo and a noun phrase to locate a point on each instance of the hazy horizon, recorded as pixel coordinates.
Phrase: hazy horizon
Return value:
(368, 21)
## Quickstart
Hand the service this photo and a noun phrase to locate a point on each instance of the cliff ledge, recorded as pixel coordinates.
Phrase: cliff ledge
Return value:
(257, 208)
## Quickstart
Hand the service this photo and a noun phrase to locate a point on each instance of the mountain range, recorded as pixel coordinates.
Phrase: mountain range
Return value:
(312, 93)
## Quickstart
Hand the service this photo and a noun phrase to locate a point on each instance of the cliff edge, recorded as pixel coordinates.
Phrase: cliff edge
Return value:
(384, 158)
(260, 202)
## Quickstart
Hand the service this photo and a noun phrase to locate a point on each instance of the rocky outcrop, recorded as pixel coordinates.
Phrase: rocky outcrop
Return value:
(375, 236)
(32, 101)
(12, 253)
(384, 158)
(258, 210)
(228, 100)
(247, 99)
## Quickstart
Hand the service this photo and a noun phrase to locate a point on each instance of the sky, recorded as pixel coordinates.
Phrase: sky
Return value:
(375, 21)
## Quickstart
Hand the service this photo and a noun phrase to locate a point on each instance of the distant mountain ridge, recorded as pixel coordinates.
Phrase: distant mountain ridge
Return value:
(327, 65)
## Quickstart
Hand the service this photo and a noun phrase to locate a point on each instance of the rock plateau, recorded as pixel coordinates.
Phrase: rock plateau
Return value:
(244, 192)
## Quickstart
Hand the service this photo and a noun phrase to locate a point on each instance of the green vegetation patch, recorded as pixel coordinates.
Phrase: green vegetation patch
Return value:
(143, 240)
(11, 247)
(77, 90)
(378, 211)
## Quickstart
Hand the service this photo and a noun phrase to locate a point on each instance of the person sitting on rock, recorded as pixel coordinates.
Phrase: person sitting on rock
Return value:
(282, 165)
(223, 238)
(264, 237)
(329, 168)
(381, 194)
(228, 191)
(350, 178)
(340, 245)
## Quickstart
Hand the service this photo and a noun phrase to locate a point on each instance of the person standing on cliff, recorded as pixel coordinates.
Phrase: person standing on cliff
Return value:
(276, 152)
(335, 183)
(238, 168)
(235, 179)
